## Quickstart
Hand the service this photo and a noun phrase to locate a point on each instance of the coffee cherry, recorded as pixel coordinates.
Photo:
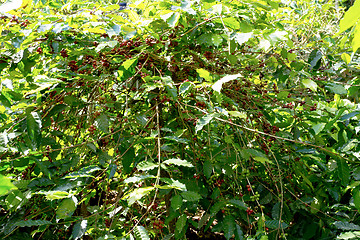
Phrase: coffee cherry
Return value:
(39, 50)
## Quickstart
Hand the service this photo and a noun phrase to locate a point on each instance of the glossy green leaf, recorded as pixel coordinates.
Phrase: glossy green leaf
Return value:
(141, 233)
(66, 208)
(178, 162)
(79, 229)
(191, 196)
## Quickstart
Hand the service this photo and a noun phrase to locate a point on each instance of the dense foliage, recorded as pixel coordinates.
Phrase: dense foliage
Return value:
(168, 120)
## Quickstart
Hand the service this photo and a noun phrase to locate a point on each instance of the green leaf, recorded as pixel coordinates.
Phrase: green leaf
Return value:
(178, 162)
(275, 224)
(350, 17)
(66, 208)
(343, 171)
(15, 199)
(84, 172)
(102, 122)
(218, 85)
(191, 196)
(356, 196)
(141, 233)
(259, 156)
(217, 207)
(176, 202)
(4, 100)
(147, 165)
(204, 121)
(308, 83)
(229, 226)
(180, 223)
(33, 123)
(239, 235)
(238, 114)
(30, 223)
(238, 203)
(207, 168)
(54, 195)
(350, 115)
(315, 60)
(346, 225)
(318, 128)
(137, 194)
(5, 185)
(336, 88)
(185, 87)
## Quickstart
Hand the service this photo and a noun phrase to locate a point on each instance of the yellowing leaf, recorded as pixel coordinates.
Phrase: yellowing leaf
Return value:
(350, 17)
(204, 74)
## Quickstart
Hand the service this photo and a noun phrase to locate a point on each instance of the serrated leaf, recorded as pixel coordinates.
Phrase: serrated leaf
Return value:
(185, 87)
(178, 162)
(84, 172)
(66, 208)
(141, 233)
(239, 235)
(228, 226)
(147, 165)
(14, 199)
(180, 223)
(204, 121)
(54, 195)
(5, 185)
(274, 224)
(346, 225)
(30, 223)
(191, 196)
(173, 184)
(79, 229)
(218, 85)
(137, 194)
(203, 220)
(137, 178)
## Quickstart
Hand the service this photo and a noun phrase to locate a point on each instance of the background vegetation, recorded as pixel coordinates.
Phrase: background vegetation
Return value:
(179, 120)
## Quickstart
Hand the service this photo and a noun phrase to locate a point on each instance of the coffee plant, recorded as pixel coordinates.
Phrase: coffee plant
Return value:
(179, 120)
